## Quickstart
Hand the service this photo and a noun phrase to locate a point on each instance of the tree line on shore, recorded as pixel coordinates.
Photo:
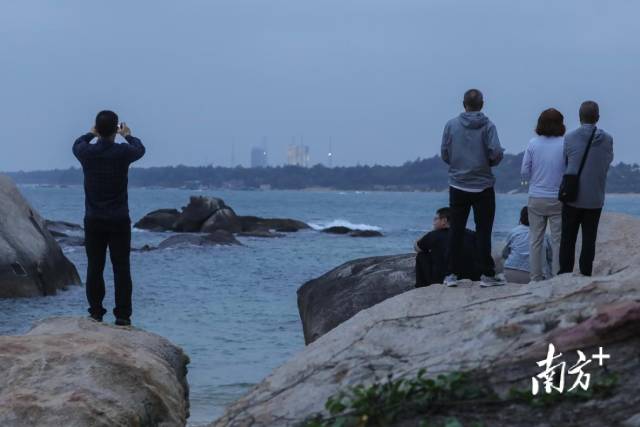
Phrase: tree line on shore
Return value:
(419, 175)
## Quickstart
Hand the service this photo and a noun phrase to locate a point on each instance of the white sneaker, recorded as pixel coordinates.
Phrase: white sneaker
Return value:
(451, 281)
(488, 281)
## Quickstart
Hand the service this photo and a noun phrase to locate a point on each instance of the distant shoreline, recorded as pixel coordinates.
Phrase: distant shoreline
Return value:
(421, 175)
(301, 190)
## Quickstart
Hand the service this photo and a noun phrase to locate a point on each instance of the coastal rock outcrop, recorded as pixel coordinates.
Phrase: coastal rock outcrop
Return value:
(329, 300)
(158, 220)
(66, 233)
(31, 261)
(78, 372)
(196, 213)
(499, 334)
(281, 225)
(338, 295)
(209, 214)
(218, 237)
(340, 229)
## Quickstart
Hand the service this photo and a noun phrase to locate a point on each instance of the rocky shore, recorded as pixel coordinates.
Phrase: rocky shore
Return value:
(498, 334)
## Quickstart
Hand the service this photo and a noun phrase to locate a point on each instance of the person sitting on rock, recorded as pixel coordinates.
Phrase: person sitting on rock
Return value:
(431, 258)
(105, 165)
(516, 252)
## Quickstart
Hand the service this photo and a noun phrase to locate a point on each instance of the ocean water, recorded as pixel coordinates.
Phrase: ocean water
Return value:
(233, 309)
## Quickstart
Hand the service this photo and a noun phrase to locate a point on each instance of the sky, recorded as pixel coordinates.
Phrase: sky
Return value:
(203, 81)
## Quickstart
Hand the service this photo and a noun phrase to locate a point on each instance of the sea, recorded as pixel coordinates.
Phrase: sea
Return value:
(233, 308)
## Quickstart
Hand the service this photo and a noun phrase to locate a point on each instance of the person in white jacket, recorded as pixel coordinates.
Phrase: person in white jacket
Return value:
(543, 166)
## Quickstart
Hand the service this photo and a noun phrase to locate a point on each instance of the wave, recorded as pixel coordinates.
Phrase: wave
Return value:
(343, 223)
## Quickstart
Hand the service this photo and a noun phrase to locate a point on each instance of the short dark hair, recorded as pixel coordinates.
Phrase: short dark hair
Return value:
(524, 216)
(106, 123)
(589, 112)
(444, 213)
(473, 100)
(551, 123)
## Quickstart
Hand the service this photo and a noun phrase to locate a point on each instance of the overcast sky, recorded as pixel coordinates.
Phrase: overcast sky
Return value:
(380, 78)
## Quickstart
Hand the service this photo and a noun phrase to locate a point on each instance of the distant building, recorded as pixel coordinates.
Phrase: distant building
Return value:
(298, 155)
(258, 157)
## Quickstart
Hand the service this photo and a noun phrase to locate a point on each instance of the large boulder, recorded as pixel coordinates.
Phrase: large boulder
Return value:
(31, 261)
(158, 220)
(198, 210)
(338, 295)
(497, 333)
(78, 372)
(218, 237)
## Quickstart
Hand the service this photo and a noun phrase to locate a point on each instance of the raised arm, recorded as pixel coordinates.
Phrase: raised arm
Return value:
(494, 149)
(134, 148)
(82, 144)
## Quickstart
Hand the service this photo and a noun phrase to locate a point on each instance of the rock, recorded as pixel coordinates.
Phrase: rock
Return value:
(198, 210)
(498, 333)
(338, 295)
(222, 219)
(78, 372)
(66, 233)
(253, 223)
(69, 241)
(340, 229)
(260, 233)
(365, 233)
(447, 330)
(31, 261)
(218, 237)
(158, 220)
(62, 228)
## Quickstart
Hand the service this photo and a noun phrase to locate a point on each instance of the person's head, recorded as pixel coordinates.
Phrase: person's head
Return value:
(589, 113)
(107, 124)
(472, 100)
(524, 216)
(551, 123)
(441, 220)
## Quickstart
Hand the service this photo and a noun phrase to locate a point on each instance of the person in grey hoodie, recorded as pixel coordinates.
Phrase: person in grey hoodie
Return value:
(470, 146)
(585, 211)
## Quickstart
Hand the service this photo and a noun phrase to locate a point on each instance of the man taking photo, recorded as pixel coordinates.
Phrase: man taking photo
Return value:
(105, 165)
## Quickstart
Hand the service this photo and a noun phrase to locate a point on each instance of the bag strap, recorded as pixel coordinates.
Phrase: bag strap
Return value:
(586, 152)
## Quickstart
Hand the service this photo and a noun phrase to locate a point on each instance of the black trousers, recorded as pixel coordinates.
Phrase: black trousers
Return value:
(117, 237)
(427, 273)
(572, 220)
(484, 211)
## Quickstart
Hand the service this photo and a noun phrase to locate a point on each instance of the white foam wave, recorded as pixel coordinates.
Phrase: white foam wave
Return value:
(343, 223)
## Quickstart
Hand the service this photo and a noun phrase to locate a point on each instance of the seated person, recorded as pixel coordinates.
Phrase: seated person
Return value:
(516, 252)
(431, 258)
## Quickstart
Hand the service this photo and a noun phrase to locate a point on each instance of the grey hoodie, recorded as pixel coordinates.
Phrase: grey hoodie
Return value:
(470, 146)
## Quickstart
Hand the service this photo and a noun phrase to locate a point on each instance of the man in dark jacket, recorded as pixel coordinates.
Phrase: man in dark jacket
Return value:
(432, 248)
(105, 164)
(470, 146)
(585, 211)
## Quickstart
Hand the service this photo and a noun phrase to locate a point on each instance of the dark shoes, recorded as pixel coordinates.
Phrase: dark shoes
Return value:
(95, 317)
(123, 322)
